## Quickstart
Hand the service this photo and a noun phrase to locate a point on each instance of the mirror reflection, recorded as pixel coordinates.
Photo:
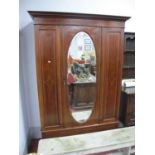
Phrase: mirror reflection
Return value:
(81, 76)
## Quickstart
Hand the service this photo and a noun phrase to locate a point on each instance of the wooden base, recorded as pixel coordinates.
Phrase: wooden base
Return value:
(78, 130)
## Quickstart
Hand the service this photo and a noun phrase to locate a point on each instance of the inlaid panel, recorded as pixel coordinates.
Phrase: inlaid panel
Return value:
(47, 44)
(113, 52)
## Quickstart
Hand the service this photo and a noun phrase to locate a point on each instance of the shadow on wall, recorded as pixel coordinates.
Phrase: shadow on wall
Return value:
(23, 128)
(28, 84)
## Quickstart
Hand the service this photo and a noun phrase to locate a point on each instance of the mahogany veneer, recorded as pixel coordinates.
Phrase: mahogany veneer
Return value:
(53, 34)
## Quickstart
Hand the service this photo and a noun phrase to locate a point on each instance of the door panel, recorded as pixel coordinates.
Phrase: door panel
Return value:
(47, 43)
(113, 71)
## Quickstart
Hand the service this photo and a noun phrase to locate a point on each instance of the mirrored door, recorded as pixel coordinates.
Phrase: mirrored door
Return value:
(81, 77)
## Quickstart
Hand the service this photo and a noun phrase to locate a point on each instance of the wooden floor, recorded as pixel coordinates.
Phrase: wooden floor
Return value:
(33, 145)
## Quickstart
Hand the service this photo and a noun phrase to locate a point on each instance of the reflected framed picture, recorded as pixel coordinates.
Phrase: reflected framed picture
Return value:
(87, 47)
(87, 41)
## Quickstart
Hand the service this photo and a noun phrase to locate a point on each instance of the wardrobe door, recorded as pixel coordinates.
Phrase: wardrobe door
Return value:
(47, 73)
(112, 54)
(80, 95)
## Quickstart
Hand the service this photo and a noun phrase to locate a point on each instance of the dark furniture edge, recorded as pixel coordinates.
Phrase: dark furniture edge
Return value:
(76, 15)
(126, 32)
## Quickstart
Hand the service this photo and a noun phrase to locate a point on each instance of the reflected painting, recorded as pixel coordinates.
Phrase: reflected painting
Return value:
(81, 76)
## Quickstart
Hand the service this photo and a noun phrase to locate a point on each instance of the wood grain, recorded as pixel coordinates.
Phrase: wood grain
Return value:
(53, 35)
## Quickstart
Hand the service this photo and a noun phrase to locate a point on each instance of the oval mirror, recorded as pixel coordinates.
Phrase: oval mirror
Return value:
(81, 76)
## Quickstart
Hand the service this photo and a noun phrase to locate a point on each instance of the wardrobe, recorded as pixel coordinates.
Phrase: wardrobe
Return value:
(79, 61)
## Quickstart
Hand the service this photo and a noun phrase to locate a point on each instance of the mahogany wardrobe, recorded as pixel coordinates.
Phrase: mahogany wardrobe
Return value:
(79, 69)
